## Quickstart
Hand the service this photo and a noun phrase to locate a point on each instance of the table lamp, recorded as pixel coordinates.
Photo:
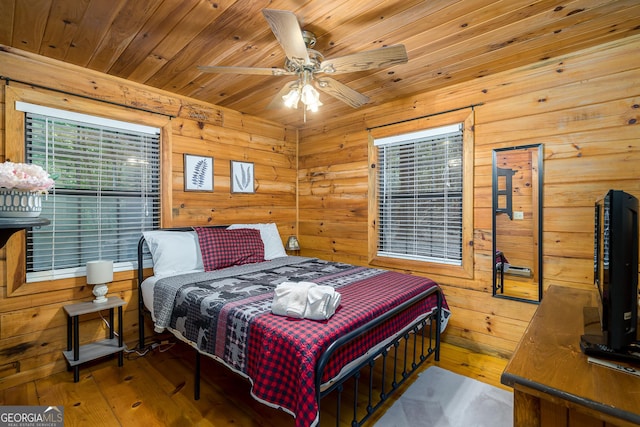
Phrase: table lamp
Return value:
(99, 273)
(292, 244)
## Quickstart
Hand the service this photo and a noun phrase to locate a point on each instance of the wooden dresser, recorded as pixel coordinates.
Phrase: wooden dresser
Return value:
(554, 384)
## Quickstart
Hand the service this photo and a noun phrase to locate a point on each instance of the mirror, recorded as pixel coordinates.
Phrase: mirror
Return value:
(517, 223)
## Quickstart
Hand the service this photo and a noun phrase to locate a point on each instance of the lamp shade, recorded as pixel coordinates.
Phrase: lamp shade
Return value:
(292, 244)
(99, 272)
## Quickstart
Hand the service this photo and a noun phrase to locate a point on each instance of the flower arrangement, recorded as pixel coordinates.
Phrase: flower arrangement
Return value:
(24, 177)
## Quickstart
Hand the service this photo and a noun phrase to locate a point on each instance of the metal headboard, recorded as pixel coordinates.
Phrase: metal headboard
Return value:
(141, 307)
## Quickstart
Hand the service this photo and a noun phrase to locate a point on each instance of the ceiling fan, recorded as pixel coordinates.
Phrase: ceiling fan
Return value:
(310, 66)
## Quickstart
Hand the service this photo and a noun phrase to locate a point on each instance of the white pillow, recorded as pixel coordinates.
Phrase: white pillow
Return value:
(174, 252)
(273, 247)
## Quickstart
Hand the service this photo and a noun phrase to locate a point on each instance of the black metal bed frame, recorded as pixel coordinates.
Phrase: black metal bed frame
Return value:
(422, 338)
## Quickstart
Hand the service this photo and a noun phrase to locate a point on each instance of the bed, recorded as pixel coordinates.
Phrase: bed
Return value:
(215, 288)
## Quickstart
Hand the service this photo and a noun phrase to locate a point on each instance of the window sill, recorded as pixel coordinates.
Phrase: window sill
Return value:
(422, 267)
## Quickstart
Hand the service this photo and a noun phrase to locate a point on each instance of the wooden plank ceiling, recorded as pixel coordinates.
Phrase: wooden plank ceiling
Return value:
(161, 42)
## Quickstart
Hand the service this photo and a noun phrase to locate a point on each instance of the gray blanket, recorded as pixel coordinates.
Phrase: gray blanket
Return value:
(165, 289)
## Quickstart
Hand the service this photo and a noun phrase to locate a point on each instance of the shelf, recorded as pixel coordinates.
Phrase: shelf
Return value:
(8, 226)
(93, 351)
(87, 307)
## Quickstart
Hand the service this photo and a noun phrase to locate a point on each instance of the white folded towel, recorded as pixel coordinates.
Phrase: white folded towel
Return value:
(322, 302)
(297, 303)
(305, 300)
(290, 298)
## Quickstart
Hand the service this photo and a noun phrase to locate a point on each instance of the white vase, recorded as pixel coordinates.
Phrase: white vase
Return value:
(19, 203)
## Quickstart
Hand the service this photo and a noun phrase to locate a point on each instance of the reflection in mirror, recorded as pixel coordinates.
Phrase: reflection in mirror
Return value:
(517, 222)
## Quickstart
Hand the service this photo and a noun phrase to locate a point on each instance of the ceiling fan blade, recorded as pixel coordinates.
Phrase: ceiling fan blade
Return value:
(286, 28)
(245, 70)
(277, 100)
(341, 91)
(383, 57)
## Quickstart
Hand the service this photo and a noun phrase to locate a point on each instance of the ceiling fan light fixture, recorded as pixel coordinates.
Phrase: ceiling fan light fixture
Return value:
(308, 65)
(310, 97)
(291, 99)
(313, 107)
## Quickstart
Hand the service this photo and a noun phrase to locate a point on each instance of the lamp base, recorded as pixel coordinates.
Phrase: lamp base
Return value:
(100, 292)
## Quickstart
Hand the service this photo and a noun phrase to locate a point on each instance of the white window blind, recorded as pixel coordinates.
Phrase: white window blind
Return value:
(420, 195)
(107, 190)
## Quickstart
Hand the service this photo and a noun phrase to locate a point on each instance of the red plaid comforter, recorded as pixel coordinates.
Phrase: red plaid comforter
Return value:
(280, 353)
(286, 350)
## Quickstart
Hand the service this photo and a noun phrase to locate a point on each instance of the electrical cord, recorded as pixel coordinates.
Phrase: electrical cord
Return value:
(135, 352)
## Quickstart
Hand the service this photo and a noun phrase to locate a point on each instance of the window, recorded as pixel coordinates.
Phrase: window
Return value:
(107, 190)
(422, 197)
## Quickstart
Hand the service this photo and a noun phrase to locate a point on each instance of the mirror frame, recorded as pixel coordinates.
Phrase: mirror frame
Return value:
(494, 209)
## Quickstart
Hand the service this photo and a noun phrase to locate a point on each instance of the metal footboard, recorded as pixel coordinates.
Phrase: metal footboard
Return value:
(425, 337)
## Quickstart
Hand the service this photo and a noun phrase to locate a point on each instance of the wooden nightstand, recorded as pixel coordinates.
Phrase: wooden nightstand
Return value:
(77, 354)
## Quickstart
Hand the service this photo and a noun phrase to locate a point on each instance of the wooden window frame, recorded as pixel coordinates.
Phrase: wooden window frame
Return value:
(466, 269)
(15, 151)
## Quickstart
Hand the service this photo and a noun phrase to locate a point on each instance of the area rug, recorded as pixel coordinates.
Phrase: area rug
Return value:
(441, 398)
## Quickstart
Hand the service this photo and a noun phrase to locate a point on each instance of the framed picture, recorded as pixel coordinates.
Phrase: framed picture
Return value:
(198, 173)
(242, 177)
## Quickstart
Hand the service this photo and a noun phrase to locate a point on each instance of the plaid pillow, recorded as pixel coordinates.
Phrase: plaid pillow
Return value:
(223, 248)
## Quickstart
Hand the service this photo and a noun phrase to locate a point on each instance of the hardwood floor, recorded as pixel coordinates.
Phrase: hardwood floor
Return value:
(157, 390)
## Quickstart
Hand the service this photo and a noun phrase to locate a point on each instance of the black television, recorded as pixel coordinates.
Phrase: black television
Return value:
(616, 268)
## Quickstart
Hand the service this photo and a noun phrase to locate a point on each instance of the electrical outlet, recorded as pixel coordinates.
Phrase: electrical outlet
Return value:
(518, 215)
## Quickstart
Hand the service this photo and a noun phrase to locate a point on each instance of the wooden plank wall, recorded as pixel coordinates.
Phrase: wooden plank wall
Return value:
(32, 323)
(584, 108)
